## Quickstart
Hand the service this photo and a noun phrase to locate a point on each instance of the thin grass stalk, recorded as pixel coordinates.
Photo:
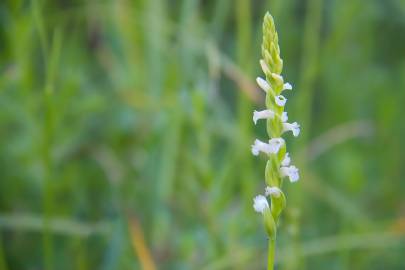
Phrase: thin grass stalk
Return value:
(3, 262)
(244, 49)
(220, 15)
(309, 63)
(47, 145)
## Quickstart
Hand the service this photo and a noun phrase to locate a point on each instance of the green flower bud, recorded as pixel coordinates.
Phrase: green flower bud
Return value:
(278, 201)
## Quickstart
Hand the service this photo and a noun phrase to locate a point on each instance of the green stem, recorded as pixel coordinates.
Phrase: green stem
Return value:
(3, 263)
(271, 252)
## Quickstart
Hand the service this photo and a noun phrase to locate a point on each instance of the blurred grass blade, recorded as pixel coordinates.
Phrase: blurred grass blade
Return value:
(58, 226)
(139, 245)
(375, 240)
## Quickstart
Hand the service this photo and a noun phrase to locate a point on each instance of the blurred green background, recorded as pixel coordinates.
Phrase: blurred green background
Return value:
(125, 133)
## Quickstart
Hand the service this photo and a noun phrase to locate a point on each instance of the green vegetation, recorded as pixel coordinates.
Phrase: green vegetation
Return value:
(125, 133)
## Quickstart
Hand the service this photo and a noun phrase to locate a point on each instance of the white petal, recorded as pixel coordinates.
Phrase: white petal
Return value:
(263, 84)
(272, 147)
(284, 117)
(287, 86)
(255, 151)
(294, 127)
(275, 145)
(280, 100)
(294, 175)
(260, 203)
(262, 115)
(273, 191)
(286, 161)
(291, 172)
(258, 147)
(255, 148)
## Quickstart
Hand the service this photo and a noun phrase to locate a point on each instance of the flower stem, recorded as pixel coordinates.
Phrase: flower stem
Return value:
(271, 252)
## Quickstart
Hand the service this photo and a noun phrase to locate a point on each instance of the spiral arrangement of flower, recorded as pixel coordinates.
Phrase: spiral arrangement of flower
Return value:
(279, 162)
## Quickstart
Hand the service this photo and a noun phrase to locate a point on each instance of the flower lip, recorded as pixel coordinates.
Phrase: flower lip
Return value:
(258, 146)
(280, 100)
(291, 172)
(294, 127)
(255, 149)
(287, 86)
(272, 147)
(260, 203)
(265, 114)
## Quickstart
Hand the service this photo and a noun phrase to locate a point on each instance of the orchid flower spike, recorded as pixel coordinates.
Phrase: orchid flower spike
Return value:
(291, 172)
(262, 115)
(279, 161)
(294, 127)
(260, 204)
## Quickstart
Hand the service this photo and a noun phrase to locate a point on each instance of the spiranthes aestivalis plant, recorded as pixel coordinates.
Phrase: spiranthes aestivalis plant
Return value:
(279, 163)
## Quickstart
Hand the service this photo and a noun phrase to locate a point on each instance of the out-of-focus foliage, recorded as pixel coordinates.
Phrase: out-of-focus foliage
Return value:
(125, 132)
